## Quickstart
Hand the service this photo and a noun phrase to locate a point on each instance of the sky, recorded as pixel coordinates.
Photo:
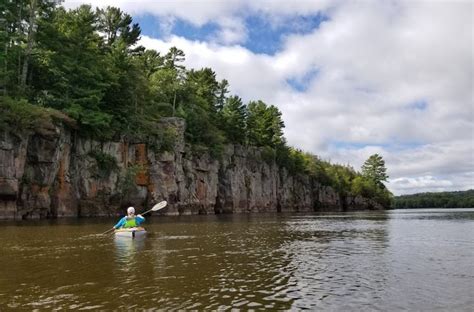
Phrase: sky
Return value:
(352, 78)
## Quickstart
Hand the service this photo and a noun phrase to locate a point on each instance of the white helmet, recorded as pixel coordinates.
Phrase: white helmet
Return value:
(130, 210)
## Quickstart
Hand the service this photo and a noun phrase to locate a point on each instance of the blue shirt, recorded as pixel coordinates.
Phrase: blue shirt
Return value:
(138, 219)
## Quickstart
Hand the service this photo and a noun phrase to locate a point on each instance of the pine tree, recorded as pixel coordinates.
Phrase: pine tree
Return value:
(374, 169)
(233, 115)
(264, 125)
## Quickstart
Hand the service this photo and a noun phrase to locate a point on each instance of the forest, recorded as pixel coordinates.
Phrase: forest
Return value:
(85, 67)
(460, 199)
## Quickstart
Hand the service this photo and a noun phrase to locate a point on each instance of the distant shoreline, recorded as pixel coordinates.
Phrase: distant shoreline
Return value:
(458, 199)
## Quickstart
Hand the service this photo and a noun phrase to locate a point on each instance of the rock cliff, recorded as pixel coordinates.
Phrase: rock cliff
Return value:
(54, 173)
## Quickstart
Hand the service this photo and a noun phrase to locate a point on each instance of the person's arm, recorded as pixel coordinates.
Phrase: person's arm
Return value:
(139, 219)
(120, 223)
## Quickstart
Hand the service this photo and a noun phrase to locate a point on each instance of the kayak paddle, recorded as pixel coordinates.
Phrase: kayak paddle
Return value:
(157, 207)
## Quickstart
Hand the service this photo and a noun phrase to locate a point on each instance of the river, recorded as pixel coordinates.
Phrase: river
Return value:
(418, 259)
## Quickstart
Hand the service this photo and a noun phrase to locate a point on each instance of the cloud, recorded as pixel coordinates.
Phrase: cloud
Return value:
(423, 183)
(408, 185)
(202, 12)
(375, 62)
(232, 30)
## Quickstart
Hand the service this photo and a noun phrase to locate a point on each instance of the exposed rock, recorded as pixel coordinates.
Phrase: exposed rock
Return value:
(55, 174)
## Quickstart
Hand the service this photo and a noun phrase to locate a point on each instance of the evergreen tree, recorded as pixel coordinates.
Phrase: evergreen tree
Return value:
(264, 125)
(117, 26)
(167, 82)
(222, 90)
(233, 115)
(374, 169)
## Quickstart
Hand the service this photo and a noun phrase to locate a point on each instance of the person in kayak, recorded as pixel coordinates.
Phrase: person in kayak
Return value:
(130, 220)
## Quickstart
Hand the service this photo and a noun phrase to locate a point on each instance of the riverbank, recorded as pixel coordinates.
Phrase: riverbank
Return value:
(53, 173)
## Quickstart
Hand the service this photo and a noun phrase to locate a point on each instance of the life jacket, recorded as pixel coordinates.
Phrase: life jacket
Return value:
(130, 223)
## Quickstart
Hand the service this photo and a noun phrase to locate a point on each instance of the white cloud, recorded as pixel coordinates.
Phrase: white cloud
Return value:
(202, 12)
(373, 60)
(232, 30)
(423, 184)
(411, 185)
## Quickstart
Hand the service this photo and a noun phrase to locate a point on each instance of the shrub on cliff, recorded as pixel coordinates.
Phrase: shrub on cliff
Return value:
(17, 115)
(104, 165)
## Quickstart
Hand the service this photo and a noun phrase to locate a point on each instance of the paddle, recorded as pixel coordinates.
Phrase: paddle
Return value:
(157, 207)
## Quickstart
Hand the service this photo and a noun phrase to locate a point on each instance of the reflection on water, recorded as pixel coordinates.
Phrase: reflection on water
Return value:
(126, 249)
(395, 260)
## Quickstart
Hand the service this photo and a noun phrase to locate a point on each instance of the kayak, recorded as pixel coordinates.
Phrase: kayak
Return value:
(135, 232)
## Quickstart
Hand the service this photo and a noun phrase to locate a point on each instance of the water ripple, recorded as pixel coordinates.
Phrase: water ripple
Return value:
(362, 261)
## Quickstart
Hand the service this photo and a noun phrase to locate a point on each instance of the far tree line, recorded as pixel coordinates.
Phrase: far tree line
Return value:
(87, 65)
(460, 199)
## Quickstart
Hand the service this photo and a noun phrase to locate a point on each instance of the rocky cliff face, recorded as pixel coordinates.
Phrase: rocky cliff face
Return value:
(53, 173)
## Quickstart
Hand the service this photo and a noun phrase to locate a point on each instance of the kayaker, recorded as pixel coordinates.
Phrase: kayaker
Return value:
(130, 220)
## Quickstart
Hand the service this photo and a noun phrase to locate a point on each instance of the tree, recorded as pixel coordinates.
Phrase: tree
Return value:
(19, 22)
(233, 118)
(173, 57)
(203, 84)
(32, 12)
(222, 90)
(374, 169)
(264, 125)
(171, 77)
(71, 72)
(116, 25)
(151, 62)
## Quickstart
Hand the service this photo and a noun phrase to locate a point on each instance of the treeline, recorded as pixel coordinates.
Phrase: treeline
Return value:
(86, 66)
(460, 199)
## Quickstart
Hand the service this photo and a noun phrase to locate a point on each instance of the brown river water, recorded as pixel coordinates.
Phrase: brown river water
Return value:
(419, 259)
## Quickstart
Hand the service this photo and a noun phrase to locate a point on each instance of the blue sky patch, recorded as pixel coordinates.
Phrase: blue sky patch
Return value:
(301, 84)
(418, 105)
(263, 36)
(151, 26)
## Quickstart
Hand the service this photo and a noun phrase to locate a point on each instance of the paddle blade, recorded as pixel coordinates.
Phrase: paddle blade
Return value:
(159, 206)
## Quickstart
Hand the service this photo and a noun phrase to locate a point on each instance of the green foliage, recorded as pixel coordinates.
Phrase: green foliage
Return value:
(344, 179)
(116, 26)
(233, 119)
(363, 187)
(164, 141)
(268, 154)
(105, 164)
(461, 199)
(341, 178)
(96, 123)
(126, 182)
(374, 169)
(369, 183)
(19, 115)
(291, 158)
(264, 125)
